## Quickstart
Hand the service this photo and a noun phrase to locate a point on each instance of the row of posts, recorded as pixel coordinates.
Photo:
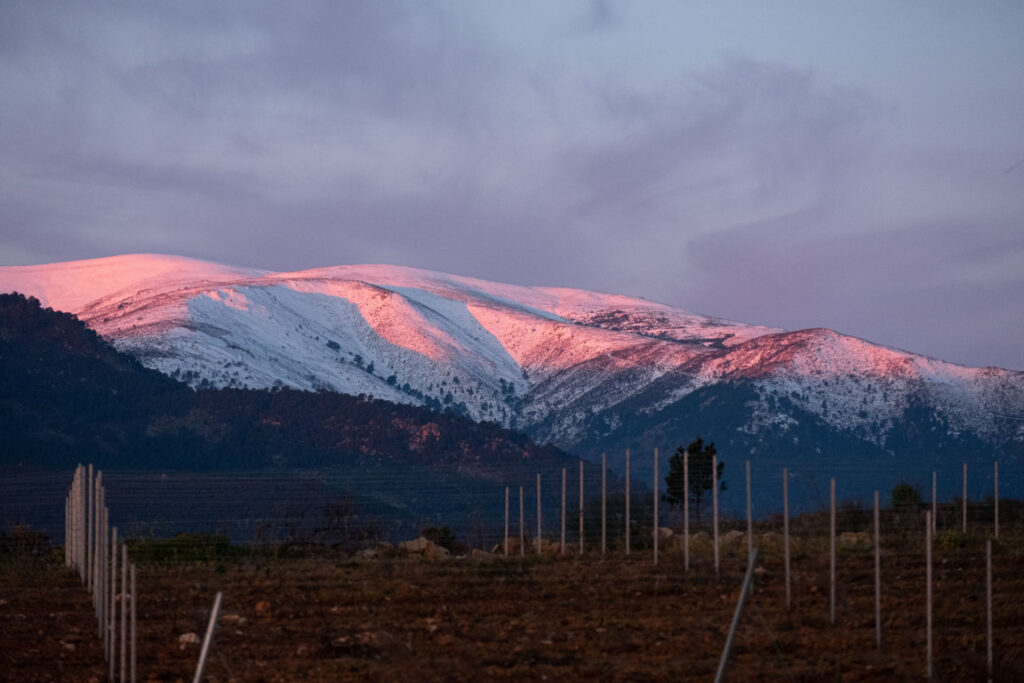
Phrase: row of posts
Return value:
(91, 550)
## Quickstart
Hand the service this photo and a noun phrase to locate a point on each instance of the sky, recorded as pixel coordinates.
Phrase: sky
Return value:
(851, 165)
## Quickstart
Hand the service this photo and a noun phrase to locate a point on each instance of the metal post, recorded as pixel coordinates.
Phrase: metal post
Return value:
(878, 580)
(928, 581)
(563, 512)
(832, 552)
(750, 518)
(505, 547)
(90, 529)
(581, 508)
(522, 524)
(538, 514)
(745, 591)
(964, 505)
(604, 505)
(208, 639)
(124, 612)
(935, 501)
(714, 493)
(988, 604)
(656, 491)
(686, 511)
(134, 596)
(627, 502)
(785, 534)
(112, 605)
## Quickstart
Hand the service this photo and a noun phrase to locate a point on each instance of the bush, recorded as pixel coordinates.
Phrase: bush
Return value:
(906, 497)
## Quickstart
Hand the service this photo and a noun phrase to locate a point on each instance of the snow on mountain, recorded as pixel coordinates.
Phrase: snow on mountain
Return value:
(546, 360)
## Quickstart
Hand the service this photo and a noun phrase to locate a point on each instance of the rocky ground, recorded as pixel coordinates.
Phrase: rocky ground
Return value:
(402, 616)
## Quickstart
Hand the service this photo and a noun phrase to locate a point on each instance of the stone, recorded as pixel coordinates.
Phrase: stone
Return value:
(435, 552)
(232, 618)
(186, 639)
(854, 539)
(262, 607)
(417, 545)
(731, 539)
(665, 534)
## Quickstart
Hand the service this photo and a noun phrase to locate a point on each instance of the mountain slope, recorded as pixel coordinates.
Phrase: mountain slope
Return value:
(578, 369)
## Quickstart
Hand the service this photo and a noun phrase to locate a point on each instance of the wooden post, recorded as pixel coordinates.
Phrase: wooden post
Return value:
(563, 512)
(928, 584)
(604, 505)
(785, 534)
(964, 500)
(832, 551)
(750, 519)
(627, 502)
(538, 514)
(581, 508)
(686, 511)
(656, 506)
(134, 596)
(505, 547)
(208, 639)
(935, 501)
(995, 491)
(714, 494)
(988, 605)
(522, 524)
(878, 580)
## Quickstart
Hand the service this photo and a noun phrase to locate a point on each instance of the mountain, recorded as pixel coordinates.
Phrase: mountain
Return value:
(582, 370)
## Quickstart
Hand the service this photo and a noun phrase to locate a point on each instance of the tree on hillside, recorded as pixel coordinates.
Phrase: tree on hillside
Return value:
(700, 480)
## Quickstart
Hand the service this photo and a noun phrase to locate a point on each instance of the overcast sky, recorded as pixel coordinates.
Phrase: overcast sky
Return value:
(852, 165)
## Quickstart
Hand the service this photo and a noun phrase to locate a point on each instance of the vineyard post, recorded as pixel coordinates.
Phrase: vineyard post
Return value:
(581, 508)
(750, 519)
(538, 514)
(208, 639)
(627, 502)
(928, 587)
(964, 502)
(90, 528)
(522, 524)
(686, 511)
(714, 492)
(785, 533)
(935, 501)
(505, 547)
(563, 512)
(134, 624)
(124, 611)
(604, 505)
(112, 606)
(655, 506)
(988, 605)
(878, 581)
(832, 551)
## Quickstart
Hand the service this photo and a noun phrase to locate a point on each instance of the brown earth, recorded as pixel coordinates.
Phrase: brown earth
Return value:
(534, 618)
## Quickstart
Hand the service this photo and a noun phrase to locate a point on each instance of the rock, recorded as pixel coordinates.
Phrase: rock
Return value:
(236, 619)
(478, 554)
(665, 534)
(367, 554)
(854, 539)
(263, 607)
(731, 539)
(186, 639)
(384, 546)
(415, 546)
(435, 552)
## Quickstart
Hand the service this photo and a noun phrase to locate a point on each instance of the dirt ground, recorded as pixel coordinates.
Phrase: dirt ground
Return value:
(534, 618)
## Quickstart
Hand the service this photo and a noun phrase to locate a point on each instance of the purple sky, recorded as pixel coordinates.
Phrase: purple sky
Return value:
(852, 165)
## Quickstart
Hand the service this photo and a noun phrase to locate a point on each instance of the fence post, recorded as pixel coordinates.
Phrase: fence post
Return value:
(686, 511)
(506, 523)
(90, 530)
(745, 591)
(714, 492)
(878, 581)
(124, 611)
(563, 512)
(604, 505)
(581, 508)
(627, 502)
(785, 534)
(750, 517)
(112, 605)
(928, 583)
(208, 639)
(538, 514)
(832, 552)
(655, 506)
(935, 501)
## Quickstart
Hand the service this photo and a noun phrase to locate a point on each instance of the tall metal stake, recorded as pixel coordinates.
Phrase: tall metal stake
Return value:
(656, 491)
(563, 512)
(750, 517)
(832, 552)
(581, 508)
(627, 502)
(604, 505)
(686, 511)
(878, 580)
(538, 514)
(714, 493)
(208, 639)
(785, 533)
(745, 591)
(505, 547)
(928, 582)
(988, 604)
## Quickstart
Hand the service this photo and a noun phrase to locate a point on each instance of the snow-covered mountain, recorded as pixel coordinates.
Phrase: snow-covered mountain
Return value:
(573, 367)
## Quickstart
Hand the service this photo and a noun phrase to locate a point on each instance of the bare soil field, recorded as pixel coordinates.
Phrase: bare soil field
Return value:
(557, 618)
